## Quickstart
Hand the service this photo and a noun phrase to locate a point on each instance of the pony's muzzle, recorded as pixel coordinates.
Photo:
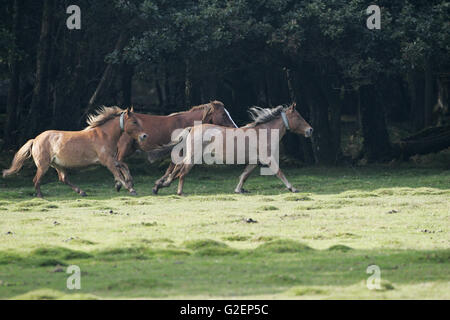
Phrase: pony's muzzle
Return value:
(142, 137)
(308, 132)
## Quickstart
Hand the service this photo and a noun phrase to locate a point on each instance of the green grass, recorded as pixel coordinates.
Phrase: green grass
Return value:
(315, 244)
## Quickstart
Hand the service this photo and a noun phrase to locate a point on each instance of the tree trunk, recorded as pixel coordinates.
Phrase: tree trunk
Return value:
(428, 103)
(335, 100)
(416, 92)
(441, 109)
(376, 145)
(14, 88)
(430, 140)
(294, 145)
(322, 142)
(40, 92)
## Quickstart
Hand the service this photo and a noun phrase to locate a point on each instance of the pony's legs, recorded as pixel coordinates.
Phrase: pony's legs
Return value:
(247, 171)
(125, 171)
(184, 171)
(41, 170)
(161, 180)
(120, 172)
(125, 147)
(172, 175)
(280, 175)
(62, 175)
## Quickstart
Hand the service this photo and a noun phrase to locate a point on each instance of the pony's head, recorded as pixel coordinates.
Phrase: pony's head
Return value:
(296, 122)
(216, 113)
(132, 125)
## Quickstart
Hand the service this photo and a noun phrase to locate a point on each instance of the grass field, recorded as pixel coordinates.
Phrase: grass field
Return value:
(215, 244)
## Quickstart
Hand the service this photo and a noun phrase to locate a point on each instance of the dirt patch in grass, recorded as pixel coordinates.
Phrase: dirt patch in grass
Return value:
(51, 206)
(148, 224)
(268, 208)
(348, 235)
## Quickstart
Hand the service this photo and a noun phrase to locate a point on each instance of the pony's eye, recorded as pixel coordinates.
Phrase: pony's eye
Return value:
(134, 122)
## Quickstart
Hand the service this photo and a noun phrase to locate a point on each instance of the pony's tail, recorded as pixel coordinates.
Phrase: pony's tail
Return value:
(23, 154)
(166, 149)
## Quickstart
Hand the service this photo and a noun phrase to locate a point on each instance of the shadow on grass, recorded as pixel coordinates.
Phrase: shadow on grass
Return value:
(207, 267)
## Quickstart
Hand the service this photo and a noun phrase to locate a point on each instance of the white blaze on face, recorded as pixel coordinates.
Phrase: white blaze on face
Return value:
(228, 114)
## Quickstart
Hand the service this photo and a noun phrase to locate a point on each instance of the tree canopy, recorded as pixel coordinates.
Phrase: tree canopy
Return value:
(243, 52)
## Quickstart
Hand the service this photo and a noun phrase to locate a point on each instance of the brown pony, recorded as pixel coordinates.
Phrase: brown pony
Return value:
(281, 118)
(160, 128)
(97, 144)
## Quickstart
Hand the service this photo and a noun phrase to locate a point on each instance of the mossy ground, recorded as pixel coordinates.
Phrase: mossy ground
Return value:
(215, 244)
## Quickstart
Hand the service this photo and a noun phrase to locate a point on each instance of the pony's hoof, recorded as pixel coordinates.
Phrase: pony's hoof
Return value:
(293, 190)
(39, 195)
(181, 194)
(118, 186)
(133, 192)
(242, 191)
(83, 194)
(155, 191)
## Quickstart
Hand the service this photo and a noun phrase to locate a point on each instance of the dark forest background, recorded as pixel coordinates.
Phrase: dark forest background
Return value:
(370, 95)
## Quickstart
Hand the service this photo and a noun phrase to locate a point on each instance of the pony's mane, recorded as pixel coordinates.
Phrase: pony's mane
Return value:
(102, 115)
(264, 115)
(204, 107)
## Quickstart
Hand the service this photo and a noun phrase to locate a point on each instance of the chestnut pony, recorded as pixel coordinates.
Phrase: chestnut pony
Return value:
(97, 144)
(160, 128)
(280, 118)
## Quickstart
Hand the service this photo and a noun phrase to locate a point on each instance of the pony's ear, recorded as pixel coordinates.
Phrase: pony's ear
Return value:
(293, 106)
(132, 109)
(129, 110)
